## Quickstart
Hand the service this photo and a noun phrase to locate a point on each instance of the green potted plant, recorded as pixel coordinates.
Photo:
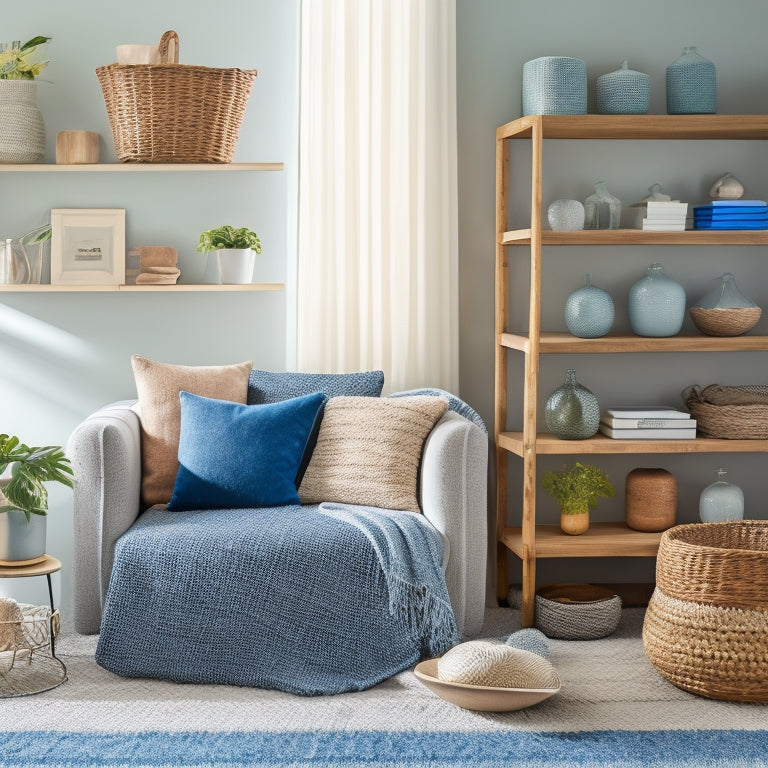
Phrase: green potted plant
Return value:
(233, 250)
(22, 130)
(576, 489)
(24, 497)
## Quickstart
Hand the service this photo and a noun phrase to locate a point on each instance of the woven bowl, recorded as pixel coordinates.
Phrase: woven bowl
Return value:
(732, 321)
(706, 626)
(577, 611)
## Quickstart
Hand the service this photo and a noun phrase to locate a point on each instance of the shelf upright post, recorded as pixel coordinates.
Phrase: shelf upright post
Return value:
(500, 422)
(531, 383)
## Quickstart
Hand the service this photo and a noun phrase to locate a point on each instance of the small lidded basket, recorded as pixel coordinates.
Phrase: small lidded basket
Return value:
(725, 311)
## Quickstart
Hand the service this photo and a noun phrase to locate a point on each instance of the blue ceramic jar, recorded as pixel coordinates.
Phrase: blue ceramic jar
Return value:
(656, 304)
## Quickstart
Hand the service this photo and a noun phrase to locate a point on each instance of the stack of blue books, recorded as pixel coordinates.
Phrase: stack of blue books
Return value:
(731, 214)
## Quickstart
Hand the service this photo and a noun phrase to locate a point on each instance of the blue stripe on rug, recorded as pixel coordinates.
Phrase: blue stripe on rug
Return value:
(411, 748)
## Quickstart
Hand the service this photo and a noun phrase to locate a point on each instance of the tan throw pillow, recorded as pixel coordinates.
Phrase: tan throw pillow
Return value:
(158, 386)
(368, 451)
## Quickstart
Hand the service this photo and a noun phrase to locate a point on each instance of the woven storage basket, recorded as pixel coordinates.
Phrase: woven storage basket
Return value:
(706, 627)
(577, 611)
(555, 85)
(739, 413)
(174, 113)
(731, 321)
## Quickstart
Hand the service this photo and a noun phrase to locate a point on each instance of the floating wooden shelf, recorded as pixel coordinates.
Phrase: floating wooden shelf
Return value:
(639, 237)
(137, 167)
(178, 288)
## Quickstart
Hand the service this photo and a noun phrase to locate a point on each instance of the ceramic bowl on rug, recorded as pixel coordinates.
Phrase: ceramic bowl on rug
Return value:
(577, 611)
(480, 698)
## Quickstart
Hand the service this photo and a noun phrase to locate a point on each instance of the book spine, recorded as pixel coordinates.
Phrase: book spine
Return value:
(616, 423)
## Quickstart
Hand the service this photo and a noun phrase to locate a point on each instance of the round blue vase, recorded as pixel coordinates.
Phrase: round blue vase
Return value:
(589, 311)
(691, 85)
(572, 411)
(656, 304)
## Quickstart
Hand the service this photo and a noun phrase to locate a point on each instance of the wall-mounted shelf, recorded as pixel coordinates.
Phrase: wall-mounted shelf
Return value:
(178, 288)
(137, 167)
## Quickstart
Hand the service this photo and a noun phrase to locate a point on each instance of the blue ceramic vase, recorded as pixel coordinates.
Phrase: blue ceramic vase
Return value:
(721, 501)
(691, 85)
(656, 304)
(589, 311)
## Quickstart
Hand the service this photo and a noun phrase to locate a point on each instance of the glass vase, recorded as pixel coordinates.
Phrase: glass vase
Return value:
(656, 304)
(725, 310)
(602, 210)
(14, 263)
(721, 501)
(589, 311)
(572, 411)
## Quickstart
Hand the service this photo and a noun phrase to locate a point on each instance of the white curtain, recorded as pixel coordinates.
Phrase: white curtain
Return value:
(377, 264)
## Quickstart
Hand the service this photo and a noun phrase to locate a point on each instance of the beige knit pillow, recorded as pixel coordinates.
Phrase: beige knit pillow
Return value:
(158, 386)
(368, 451)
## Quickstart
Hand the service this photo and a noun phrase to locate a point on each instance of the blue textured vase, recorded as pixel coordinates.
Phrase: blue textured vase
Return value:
(589, 311)
(656, 304)
(623, 92)
(555, 85)
(572, 411)
(691, 85)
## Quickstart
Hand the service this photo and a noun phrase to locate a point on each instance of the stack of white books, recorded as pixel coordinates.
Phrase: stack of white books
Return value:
(665, 215)
(647, 423)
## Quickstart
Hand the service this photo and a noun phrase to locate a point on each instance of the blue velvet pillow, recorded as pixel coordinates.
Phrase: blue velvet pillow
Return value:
(233, 455)
(268, 387)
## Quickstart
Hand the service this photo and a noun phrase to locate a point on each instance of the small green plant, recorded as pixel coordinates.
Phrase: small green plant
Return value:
(228, 237)
(30, 468)
(17, 61)
(576, 488)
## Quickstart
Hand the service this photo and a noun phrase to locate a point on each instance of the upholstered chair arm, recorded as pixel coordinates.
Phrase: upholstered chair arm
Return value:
(454, 497)
(105, 450)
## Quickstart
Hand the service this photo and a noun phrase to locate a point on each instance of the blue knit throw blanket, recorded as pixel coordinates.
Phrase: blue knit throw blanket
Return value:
(307, 600)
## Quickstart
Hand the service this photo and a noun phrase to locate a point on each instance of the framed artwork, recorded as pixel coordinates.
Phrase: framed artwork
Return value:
(87, 246)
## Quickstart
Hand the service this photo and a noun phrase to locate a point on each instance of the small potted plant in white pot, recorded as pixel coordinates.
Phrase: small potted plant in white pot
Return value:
(24, 497)
(22, 130)
(576, 489)
(234, 249)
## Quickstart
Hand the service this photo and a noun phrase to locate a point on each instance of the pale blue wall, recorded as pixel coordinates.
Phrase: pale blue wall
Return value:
(62, 355)
(494, 39)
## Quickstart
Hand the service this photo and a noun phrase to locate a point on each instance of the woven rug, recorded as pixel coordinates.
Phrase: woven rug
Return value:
(613, 709)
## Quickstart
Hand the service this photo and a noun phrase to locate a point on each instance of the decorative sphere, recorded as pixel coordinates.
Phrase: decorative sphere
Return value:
(589, 312)
(566, 215)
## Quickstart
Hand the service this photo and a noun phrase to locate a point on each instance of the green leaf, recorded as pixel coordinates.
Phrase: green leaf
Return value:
(34, 42)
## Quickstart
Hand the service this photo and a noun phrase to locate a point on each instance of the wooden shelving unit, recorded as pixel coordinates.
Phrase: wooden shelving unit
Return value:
(530, 541)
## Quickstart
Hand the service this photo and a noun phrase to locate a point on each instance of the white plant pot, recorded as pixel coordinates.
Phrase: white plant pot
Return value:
(22, 130)
(236, 265)
(21, 540)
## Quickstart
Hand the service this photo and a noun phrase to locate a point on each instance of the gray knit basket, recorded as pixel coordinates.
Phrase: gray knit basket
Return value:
(572, 618)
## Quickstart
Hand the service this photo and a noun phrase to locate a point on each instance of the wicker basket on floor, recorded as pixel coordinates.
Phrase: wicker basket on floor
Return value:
(706, 627)
(174, 113)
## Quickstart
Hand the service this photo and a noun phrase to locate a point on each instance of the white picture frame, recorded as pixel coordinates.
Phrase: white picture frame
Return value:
(87, 246)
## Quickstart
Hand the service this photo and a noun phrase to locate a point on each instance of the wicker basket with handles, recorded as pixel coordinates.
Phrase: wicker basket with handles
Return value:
(175, 113)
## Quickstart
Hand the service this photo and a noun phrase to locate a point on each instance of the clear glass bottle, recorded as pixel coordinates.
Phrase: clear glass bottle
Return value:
(721, 501)
(14, 264)
(602, 210)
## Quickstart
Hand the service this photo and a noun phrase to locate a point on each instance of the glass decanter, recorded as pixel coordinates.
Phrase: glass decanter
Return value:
(602, 210)
(721, 501)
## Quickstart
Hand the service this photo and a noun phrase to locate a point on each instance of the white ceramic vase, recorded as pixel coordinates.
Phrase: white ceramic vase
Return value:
(22, 130)
(236, 265)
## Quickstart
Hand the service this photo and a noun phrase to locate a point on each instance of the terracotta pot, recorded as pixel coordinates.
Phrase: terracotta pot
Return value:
(574, 524)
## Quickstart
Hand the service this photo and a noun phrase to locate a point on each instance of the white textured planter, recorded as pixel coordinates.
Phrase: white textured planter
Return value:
(22, 130)
(21, 540)
(236, 265)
